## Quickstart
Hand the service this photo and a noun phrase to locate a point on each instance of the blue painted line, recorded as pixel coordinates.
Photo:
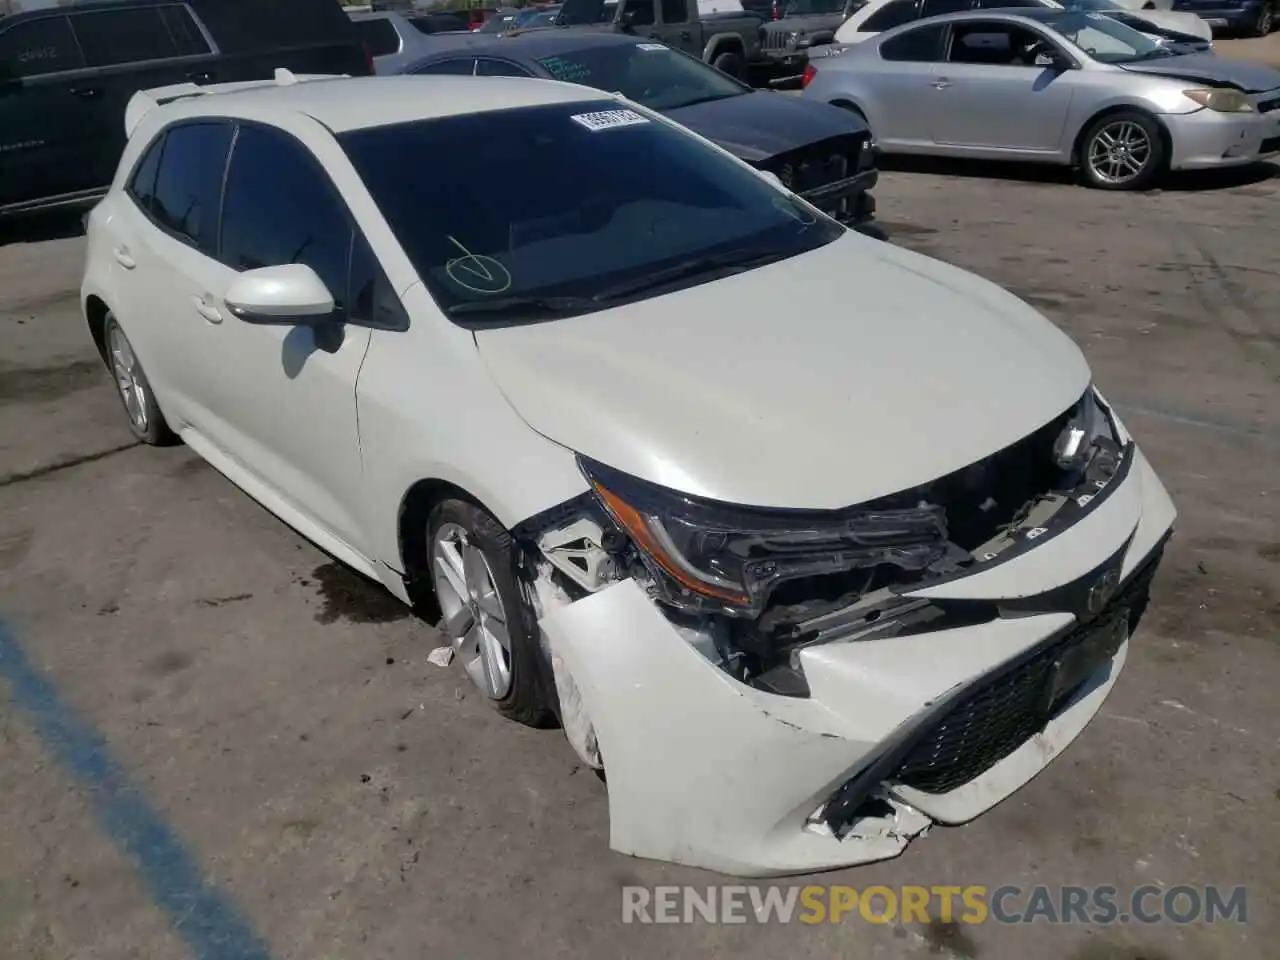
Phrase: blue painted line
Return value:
(209, 923)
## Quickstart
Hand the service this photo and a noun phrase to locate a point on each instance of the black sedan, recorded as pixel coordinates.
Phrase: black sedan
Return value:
(821, 152)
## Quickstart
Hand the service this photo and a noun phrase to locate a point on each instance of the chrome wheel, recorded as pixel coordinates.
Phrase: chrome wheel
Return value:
(1119, 152)
(129, 378)
(474, 617)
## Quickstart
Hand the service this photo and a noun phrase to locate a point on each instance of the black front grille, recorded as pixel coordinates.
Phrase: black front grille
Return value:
(821, 163)
(1270, 145)
(1266, 106)
(1004, 711)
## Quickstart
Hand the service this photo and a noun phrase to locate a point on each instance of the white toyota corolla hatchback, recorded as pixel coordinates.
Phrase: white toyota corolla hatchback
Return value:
(807, 540)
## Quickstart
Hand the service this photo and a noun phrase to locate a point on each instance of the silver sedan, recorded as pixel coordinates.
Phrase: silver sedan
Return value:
(1054, 86)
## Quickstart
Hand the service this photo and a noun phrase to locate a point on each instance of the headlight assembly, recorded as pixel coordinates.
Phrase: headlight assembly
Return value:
(714, 557)
(1078, 440)
(1221, 100)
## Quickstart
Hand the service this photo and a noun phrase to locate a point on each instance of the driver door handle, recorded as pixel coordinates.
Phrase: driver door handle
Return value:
(207, 310)
(941, 83)
(124, 258)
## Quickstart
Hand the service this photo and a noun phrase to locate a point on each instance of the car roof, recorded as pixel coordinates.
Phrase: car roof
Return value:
(534, 43)
(344, 104)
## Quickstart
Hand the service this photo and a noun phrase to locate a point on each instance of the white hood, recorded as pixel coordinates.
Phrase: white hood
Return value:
(854, 371)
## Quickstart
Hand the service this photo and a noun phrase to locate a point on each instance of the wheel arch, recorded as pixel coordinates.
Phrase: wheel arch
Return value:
(95, 315)
(1166, 140)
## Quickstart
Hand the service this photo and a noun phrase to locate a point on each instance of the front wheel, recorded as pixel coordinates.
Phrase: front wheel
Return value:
(730, 63)
(1265, 21)
(1122, 151)
(484, 613)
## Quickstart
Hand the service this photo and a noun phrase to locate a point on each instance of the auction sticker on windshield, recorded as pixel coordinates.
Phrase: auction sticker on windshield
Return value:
(608, 119)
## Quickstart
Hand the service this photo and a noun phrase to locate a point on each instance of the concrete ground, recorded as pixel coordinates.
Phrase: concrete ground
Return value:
(215, 742)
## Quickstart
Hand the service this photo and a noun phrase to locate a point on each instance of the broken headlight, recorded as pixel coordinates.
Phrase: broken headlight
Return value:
(1087, 424)
(708, 556)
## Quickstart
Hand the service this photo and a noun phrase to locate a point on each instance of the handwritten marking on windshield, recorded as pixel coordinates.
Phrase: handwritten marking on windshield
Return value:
(476, 272)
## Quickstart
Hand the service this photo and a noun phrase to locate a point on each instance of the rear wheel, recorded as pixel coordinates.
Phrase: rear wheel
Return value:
(483, 610)
(1122, 151)
(1266, 19)
(134, 389)
(730, 63)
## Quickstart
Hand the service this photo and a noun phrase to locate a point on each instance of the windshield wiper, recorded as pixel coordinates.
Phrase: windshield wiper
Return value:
(734, 261)
(524, 306)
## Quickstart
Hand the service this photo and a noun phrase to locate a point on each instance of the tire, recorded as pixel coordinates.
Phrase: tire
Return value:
(731, 64)
(474, 573)
(1266, 20)
(1134, 138)
(133, 388)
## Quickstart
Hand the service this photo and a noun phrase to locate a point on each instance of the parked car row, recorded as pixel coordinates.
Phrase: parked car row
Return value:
(68, 70)
(1051, 85)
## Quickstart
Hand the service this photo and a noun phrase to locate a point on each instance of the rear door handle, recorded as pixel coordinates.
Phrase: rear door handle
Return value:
(686, 35)
(207, 310)
(200, 76)
(941, 83)
(87, 93)
(124, 258)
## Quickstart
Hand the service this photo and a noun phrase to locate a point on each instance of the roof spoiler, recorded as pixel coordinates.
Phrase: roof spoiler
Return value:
(144, 101)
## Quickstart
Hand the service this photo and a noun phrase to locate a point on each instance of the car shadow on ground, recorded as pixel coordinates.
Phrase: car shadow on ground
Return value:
(1181, 181)
(39, 227)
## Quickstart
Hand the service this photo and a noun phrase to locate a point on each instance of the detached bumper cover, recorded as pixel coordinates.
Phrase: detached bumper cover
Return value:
(708, 772)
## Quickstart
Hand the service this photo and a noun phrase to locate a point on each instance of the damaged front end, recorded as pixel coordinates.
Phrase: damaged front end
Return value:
(824, 633)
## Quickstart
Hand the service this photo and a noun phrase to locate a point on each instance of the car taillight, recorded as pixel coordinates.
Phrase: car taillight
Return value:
(810, 71)
(368, 57)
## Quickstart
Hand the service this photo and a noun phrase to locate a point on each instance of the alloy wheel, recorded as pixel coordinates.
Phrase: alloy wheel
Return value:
(129, 378)
(474, 616)
(1119, 152)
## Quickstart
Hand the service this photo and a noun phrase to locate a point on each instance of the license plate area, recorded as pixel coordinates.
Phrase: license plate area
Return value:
(1078, 662)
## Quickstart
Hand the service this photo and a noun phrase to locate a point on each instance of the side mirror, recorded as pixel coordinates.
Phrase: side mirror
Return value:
(288, 295)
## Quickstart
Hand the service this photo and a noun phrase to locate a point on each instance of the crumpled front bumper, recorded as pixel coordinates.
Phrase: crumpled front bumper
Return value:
(705, 771)
(848, 200)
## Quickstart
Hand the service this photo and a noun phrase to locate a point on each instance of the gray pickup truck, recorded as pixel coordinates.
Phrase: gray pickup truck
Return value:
(729, 41)
(804, 24)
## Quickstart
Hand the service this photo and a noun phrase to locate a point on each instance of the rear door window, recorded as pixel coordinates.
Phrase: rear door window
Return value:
(110, 37)
(379, 36)
(189, 182)
(37, 47)
(892, 14)
(188, 40)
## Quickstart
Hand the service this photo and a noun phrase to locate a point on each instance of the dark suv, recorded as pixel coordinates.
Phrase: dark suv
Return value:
(68, 70)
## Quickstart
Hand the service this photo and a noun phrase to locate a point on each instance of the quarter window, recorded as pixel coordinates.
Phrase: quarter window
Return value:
(934, 8)
(279, 207)
(40, 46)
(892, 14)
(921, 45)
(498, 68)
(142, 186)
(189, 182)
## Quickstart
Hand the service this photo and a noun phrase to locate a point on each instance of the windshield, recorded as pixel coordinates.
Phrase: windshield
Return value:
(798, 8)
(537, 18)
(648, 73)
(1103, 38)
(621, 198)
